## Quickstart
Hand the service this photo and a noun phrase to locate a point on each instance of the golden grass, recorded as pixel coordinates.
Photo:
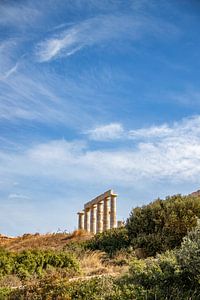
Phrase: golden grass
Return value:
(95, 263)
(55, 241)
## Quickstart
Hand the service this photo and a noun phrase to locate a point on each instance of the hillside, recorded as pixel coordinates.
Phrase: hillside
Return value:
(55, 241)
(155, 256)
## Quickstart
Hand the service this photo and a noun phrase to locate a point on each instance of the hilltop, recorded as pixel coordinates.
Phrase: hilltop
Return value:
(53, 241)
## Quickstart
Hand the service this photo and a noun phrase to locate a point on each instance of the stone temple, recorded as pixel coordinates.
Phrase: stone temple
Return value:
(99, 214)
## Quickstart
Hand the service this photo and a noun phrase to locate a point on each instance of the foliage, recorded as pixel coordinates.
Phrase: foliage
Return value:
(188, 256)
(172, 275)
(109, 241)
(162, 224)
(5, 292)
(98, 288)
(76, 247)
(30, 262)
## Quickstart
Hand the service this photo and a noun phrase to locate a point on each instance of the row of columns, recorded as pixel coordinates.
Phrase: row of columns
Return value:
(100, 216)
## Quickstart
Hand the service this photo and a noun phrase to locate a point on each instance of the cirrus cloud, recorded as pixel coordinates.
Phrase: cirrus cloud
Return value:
(100, 29)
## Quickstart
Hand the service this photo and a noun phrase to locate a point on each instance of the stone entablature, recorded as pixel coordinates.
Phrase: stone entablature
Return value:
(99, 214)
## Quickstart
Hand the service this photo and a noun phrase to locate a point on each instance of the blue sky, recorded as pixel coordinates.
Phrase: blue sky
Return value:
(95, 95)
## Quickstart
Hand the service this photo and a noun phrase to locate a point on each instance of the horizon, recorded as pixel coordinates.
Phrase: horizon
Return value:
(95, 95)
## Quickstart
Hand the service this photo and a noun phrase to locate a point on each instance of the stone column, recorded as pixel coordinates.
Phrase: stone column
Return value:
(87, 219)
(80, 220)
(113, 220)
(93, 219)
(99, 216)
(106, 212)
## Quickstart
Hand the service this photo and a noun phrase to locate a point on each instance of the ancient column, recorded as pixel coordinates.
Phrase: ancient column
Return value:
(106, 214)
(99, 217)
(87, 219)
(93, 219)
(80, 220)
(113, 220)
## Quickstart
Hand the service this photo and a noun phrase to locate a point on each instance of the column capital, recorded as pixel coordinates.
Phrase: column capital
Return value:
(107, 198)
(87, 209)
(80, 213)
(113, 195)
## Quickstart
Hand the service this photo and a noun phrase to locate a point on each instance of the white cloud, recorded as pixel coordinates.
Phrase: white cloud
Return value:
(98, 30)
(17, 15)
(9, 72)
(106, 132)
(47, 98)
(174, 157)
(151, 132)
(18, 196)
(61, 175)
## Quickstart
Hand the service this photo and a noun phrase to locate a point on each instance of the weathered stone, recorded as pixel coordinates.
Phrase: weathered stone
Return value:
(80, 220)
(99, 216)
(93, 219)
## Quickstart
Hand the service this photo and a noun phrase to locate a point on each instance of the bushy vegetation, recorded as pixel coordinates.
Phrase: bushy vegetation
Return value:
(156, 256)
(162, 224)
(109, 241)
(35, 262)
(172, 275)
(153, 228)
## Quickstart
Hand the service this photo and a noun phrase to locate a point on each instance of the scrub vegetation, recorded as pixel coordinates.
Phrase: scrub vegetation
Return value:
(155, 256)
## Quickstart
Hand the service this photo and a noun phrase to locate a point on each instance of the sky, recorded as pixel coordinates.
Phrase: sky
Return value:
(95, 95)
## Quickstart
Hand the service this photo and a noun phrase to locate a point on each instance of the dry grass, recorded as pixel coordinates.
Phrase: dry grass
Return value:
(92, 263)
(10, 281)
(42, 241)
(95, 263)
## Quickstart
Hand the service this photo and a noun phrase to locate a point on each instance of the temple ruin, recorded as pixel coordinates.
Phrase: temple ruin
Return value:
(99, 214)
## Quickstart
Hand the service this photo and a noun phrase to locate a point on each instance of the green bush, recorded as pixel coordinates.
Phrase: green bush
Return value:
(172, 275)
(7, 262)
(188, 257)
(30, 262)
(5, 293)
(109, 241)
(162, 224)
(98, 288)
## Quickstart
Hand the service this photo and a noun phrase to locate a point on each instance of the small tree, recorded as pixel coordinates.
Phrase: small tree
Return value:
(188, 255)
(162, 224)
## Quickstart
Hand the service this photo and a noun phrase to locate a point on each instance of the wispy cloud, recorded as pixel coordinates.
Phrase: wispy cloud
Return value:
(175, 156)
(9, 72)
(189, 127)
(187, 97)
(151, 132)
(43, 97)
(18, 196)
(106, 132)
(96, 31)
(17, 14)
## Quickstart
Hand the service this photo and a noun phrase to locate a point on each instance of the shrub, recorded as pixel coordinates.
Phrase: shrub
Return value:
(54, 287)
(5, 293)
(109, 241)
(188, 257)
(29, 262)
(6, 262)
(162, 224)
(98, 288)
(172, 275)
